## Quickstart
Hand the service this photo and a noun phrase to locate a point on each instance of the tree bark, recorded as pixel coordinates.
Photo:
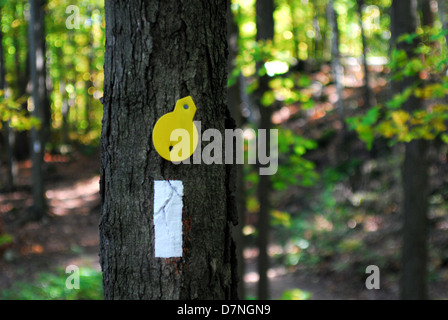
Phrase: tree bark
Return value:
(337, 68)
(88, 84)
(234, 102)
(414, 174)
(265, 32)
(294, 29)
(21, 146)
(39, 100)
(415, 227)
(157, 52)
(368, 97)
(427, 13)
(8, 133)
(264, 218)
(443, 9)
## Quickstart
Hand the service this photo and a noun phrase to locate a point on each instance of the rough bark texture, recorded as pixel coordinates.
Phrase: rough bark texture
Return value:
(414, 174)
(157, 52)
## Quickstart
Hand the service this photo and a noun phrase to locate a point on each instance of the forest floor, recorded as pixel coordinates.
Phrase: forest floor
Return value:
(69, 236)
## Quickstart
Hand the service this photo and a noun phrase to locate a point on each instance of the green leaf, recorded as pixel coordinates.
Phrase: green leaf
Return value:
(296, 294)
(304, 81)
(413, 67)
(438, 35)
(372, 116)
(400, 98)
(444, 137)
(408, 37)
(308, 104)
(5, 239)
(268, 98)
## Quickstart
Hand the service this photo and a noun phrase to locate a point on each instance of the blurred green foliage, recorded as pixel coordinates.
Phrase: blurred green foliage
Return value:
(51, 286)
(428, 63)
(5, 239)
(326, 224)
(296, 294)
(74, 58)
(294, 169)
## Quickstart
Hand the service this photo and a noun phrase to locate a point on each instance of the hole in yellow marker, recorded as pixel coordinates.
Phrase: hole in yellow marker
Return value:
(175, 136)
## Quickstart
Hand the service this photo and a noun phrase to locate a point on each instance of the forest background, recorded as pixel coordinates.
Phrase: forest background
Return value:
(350, 94)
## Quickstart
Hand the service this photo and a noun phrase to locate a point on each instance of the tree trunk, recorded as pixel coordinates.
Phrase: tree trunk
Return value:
(157, 52)
(64, 96)
(414, 174)
(264, 218)
(443, 9)
(415, 227)
(64, 112)
(234, 102)
(8, 133)
(318, 38)
(38, 80)
(427, 13)
(88, 84)
(337, 68)
(368, 97)
(265, 31)
(21, 147)
(294, 28)
(11, 163)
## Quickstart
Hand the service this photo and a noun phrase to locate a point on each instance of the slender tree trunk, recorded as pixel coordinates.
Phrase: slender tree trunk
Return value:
(264, 194)
(323, 27)
(234, 102)
(427, 13)
(327, 54)
(265, 31)
(11, 163)
(3, 124)
(64, 112)
(8, 133)
(157, 52)
(37, 70)
(21, 138)
(63, 93)
(71, 118)
(368, 97)
(415, 227)
(295, 28)
(317, 40)
(338, 70)
(21, 147)
(88, 83)
(41, 69)
(443, 9)
(414, 175)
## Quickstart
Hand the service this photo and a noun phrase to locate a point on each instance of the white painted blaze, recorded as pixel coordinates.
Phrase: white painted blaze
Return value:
(168, 218)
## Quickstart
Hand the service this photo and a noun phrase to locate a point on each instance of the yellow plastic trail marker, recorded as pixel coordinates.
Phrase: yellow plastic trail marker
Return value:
(175, 136)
